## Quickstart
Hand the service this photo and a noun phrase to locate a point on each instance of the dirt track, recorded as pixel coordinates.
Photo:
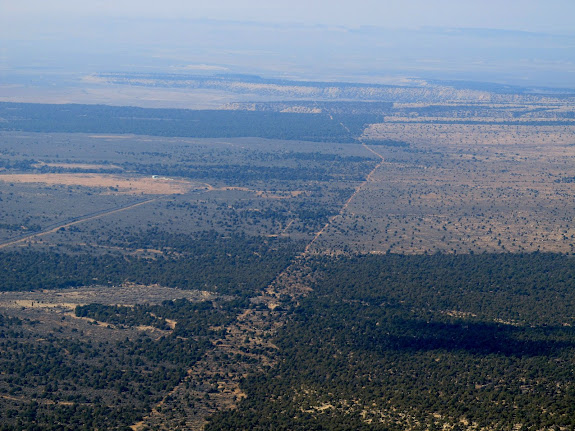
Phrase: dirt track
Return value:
(77, 220)
(346, 204)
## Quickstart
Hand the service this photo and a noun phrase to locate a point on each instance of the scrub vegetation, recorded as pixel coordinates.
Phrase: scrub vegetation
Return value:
(289, 265)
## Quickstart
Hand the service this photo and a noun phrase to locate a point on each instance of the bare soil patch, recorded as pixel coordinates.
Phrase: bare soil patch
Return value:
(118, 184)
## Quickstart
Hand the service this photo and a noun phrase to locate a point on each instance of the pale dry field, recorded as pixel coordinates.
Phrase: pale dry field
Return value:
(119, 184)
(463, 188)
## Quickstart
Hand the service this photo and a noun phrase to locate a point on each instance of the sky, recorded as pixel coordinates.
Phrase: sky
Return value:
(508, 41)
(524, 15)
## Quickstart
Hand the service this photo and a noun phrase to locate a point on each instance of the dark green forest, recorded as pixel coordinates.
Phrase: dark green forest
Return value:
(382, 342)
(233, 264)
(416, 342)
(74, 382)
(332, 125)
(74, 118)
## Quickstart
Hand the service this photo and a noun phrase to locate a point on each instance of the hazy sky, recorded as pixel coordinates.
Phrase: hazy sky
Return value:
(526, 15)
(303, 39)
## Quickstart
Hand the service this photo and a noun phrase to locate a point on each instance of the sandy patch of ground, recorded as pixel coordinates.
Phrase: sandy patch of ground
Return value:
(113, 183)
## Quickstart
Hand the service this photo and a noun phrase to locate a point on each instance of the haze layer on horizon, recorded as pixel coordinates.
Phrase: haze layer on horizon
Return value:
(528, 43)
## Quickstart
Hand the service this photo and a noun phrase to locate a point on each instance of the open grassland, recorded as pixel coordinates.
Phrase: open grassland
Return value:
(89, 192)
(454, 188)
(463, 188)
